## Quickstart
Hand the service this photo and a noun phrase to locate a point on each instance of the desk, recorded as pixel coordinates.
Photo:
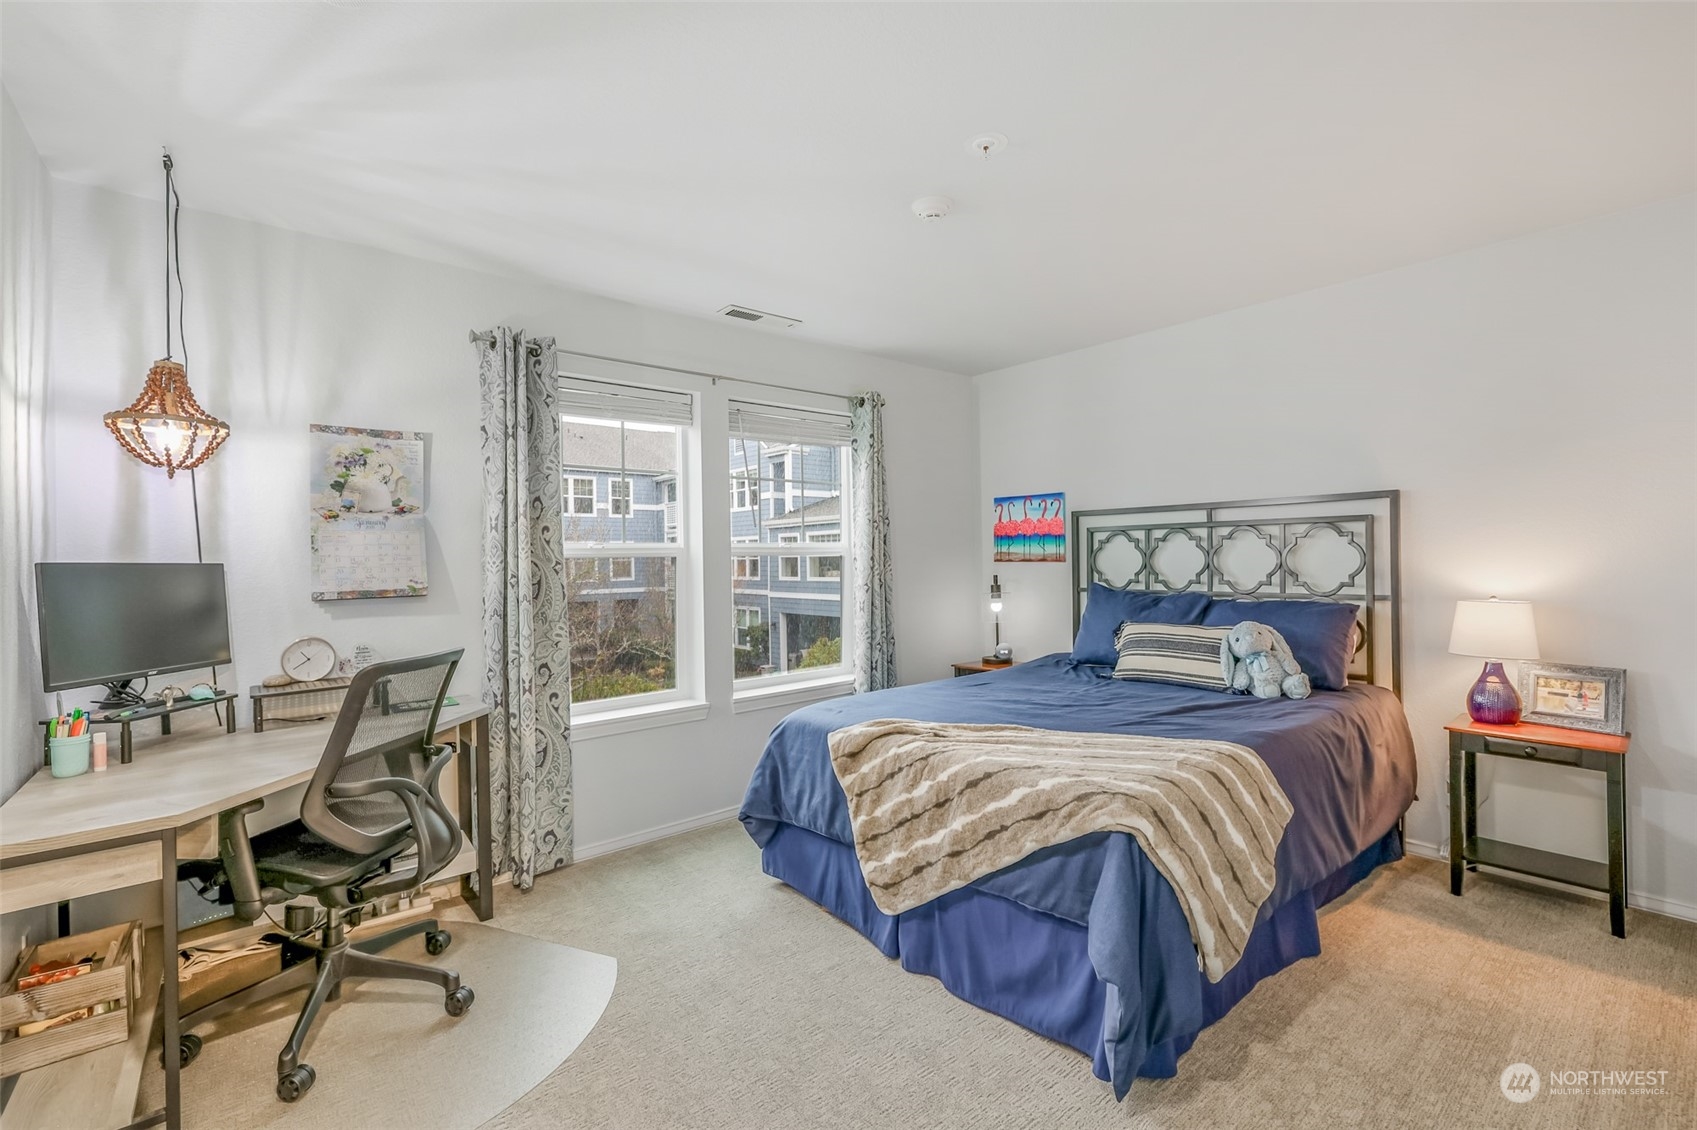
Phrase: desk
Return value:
(63, 838)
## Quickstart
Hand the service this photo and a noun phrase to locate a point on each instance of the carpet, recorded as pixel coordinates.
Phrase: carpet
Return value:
(387, 1055)
(743, 1005)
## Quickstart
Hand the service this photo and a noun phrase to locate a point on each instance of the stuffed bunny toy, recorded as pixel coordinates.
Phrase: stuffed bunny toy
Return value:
(1259, 661)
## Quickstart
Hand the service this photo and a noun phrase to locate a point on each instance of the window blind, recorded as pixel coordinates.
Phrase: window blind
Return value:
(787, 425)
(602, 400)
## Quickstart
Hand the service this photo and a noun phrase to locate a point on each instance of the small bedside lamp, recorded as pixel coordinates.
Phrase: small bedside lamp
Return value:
(1494, 630)
(1000, 654)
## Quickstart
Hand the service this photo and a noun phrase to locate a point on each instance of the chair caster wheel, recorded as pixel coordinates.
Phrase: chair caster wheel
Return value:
(291, 1085)
(188, 1048)
(459, 1000)
(436, 941)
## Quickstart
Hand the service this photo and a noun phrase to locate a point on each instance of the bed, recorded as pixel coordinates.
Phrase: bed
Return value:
(1085, 942)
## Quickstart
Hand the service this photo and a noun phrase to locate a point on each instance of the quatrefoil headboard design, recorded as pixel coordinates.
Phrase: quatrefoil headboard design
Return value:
(1339, 547)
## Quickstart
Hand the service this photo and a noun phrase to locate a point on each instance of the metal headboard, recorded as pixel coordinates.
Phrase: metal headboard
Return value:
(1342, 547)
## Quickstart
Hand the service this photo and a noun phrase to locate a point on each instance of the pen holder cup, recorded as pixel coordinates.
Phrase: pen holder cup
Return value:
(68, 757)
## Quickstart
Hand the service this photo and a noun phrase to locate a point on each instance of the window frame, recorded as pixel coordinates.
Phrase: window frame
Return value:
(686, 699)
(791, 548)
(745, 490)
(573, 496)
(740, 630)
(613, 500)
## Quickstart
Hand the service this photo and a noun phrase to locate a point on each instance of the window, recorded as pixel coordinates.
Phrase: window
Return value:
(824, 568)
(580, 495)
(748, 620)
(745, 492)
(779, 477)
(624, 610)
(799, 461)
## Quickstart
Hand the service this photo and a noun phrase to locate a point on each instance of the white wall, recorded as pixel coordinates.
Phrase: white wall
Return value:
(1536, 402)
(287, 330)
(25, 281)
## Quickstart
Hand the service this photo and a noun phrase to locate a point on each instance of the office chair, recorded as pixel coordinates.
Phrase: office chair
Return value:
(373, 797)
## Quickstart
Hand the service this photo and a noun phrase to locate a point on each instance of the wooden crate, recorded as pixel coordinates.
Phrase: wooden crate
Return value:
(116, 981)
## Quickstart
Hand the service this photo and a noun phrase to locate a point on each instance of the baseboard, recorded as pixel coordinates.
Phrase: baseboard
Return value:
(1422, 849)
(1637, 900)
(649, 835)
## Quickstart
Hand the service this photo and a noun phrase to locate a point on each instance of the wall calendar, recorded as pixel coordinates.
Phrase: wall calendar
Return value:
(368, 521)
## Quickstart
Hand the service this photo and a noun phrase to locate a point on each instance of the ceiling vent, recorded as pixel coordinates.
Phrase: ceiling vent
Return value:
(749, 314)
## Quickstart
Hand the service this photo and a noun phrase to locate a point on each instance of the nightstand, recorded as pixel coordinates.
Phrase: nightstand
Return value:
(1547, 745)
(979, 666)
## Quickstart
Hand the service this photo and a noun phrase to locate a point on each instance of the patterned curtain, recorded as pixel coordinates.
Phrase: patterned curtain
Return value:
(875, 653)
(527, 676)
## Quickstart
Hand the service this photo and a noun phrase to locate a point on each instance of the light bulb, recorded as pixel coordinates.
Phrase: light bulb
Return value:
(167, 437)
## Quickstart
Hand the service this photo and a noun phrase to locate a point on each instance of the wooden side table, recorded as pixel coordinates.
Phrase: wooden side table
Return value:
(979, 666)
(1547, 745)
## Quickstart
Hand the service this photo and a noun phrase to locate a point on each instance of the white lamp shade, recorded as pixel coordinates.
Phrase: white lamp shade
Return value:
(1494, 629)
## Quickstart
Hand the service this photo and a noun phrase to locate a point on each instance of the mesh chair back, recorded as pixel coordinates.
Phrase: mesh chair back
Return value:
(384, 729)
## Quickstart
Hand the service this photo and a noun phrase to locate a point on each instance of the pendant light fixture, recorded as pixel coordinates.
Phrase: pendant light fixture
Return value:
(166, 426)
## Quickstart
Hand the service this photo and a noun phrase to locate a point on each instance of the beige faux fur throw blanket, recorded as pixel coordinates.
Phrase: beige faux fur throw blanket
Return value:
(936, 805)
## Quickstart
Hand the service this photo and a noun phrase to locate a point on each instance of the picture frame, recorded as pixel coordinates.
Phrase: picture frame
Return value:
(1573, 697)
(1029, 527)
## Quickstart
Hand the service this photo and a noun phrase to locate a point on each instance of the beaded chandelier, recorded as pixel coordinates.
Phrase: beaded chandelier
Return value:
(166, 426)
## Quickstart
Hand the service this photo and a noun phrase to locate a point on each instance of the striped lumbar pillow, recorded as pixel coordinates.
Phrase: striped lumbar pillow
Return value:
(1172, 653)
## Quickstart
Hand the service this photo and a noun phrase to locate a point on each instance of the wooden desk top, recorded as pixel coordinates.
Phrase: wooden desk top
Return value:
(172, 782)
(1548, 735)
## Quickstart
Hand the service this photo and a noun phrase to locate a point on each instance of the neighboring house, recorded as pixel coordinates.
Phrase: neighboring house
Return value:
(784, 494)
(605, 504)
(781, 494)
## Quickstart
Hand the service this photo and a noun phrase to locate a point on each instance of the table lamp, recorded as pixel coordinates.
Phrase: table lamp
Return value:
(1494, 630)
(1000, 654)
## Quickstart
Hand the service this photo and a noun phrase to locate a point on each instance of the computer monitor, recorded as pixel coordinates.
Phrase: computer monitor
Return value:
(109, 623)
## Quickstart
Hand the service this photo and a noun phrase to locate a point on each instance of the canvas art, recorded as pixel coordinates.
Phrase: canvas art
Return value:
(1030, 527)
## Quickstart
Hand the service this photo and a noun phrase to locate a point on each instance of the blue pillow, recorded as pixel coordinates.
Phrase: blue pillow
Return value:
(1105, 609)
(1318, 632)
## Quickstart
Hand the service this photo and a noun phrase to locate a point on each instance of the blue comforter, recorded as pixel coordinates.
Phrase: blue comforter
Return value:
(1344, 758)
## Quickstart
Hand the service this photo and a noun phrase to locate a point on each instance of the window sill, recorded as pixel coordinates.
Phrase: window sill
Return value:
(792, 694)
(605, 723)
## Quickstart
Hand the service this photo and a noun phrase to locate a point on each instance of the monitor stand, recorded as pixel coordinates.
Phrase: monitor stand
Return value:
(119, 695)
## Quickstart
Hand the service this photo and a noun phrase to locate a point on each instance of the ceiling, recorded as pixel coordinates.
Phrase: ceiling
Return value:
(1167, 162)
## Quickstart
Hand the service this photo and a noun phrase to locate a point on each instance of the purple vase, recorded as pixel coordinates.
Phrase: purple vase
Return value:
(1493, 699)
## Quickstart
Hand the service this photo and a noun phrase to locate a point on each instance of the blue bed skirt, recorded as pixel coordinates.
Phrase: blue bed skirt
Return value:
(1034, 968)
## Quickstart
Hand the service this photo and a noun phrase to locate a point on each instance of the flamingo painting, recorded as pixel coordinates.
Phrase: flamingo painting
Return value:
(1030, 527)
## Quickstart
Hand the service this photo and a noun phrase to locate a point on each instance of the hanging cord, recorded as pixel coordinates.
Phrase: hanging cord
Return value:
(173, 217)
(194, 493)
(167, 255)
(174, 205)
(173, 232)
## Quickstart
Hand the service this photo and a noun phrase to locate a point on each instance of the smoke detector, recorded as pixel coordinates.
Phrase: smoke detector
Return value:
(930, 209)
(986, 145)
(749, 314)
